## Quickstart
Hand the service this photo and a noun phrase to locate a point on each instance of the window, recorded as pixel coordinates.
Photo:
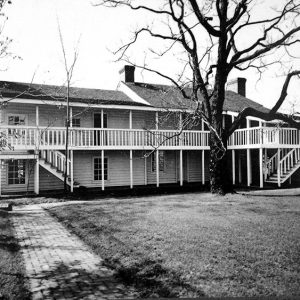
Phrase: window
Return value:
(75, 122)
(16, 120)
(16, 171)
(98, 168)
(161, 161)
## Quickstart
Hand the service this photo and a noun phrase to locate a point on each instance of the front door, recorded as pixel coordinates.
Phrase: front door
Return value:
(97, 124)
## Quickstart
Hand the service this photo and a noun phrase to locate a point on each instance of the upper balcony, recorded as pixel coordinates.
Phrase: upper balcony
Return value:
(33, 138)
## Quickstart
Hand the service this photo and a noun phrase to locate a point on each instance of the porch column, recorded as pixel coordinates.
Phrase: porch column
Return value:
(181, 167)
(37, 176)
(130, 151)
(72, 171)
(249, 169)
(233, 156)
(278, 168)
(37, 121)
(266, 156)
(240, 166)
(145, 166)
(261, 172)
(203, 167)
(157, 168)
(203, 157)
(131, 168)
(102, 169)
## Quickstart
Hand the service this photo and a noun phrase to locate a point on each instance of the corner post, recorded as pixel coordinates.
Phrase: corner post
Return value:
(157, 167)
(37, 175)
(233, 155)
(261, 173)
(249, 168)
(102, 169)
(203, 157)
(130, 151)
(278, 168)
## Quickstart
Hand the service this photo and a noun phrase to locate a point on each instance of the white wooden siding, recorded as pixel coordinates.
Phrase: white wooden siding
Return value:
(194, 162)
(169, 175)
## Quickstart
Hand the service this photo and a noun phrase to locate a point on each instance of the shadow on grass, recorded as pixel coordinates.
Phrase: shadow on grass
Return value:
(153, 280)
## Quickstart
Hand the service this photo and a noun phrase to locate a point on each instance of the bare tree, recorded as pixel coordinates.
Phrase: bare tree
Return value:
(69, 68)
(211, 35)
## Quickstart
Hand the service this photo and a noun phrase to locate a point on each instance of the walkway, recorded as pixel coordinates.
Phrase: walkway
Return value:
(276, 192)
(58, 264)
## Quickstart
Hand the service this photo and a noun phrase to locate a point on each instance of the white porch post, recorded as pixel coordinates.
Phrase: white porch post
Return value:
(131, 168)
(203, 167)
(130, 151)
(157, 168)
(266, 156)
(181, 167)
(145, 175)
(102, 169)
(37, 176)
(249, 169)
(203, 157)
(278, 168)
(71, 153)
(180, 152)
(37, 117)
(72, 171)
(233, 156)
(261, 173)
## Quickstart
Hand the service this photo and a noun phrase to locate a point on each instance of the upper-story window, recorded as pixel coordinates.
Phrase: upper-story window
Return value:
(16, 120)
(76, 122)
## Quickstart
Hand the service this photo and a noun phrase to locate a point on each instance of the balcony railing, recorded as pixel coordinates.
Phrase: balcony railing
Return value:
(26, 137)
(272, 137)
(55, 138)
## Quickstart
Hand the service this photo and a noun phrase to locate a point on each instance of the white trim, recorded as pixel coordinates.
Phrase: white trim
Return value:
(131, 168)
(181, 167)
(131, 94)
(17, 156)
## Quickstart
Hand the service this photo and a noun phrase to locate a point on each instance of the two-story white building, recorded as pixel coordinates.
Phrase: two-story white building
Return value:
(134, 136)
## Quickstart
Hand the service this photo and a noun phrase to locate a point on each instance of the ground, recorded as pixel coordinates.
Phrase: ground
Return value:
(12, 277)
(194, 244)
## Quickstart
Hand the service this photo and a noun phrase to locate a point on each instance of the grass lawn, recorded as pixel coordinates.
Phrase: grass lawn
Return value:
(189, 245)
(12, 281)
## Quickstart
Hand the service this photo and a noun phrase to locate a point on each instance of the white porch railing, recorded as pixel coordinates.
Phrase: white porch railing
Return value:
(264, 137)
(55, 137)
(29, 137)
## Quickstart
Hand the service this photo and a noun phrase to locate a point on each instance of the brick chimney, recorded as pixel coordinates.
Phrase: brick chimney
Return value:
(127, 73)
(237, 85)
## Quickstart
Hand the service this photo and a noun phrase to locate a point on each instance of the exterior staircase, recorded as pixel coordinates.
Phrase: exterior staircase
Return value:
(282, 168)
(54, 162)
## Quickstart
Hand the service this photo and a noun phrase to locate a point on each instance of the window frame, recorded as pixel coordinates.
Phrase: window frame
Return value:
(100, 173)
(161, 154)
(8, 173)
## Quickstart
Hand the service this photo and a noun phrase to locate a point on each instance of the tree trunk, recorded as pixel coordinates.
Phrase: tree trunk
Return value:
(218, 168)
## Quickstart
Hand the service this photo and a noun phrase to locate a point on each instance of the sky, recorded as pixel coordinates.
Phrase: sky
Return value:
(95, 32)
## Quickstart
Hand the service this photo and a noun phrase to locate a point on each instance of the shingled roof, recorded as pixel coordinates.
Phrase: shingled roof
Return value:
(58, 93)
(164, 96)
